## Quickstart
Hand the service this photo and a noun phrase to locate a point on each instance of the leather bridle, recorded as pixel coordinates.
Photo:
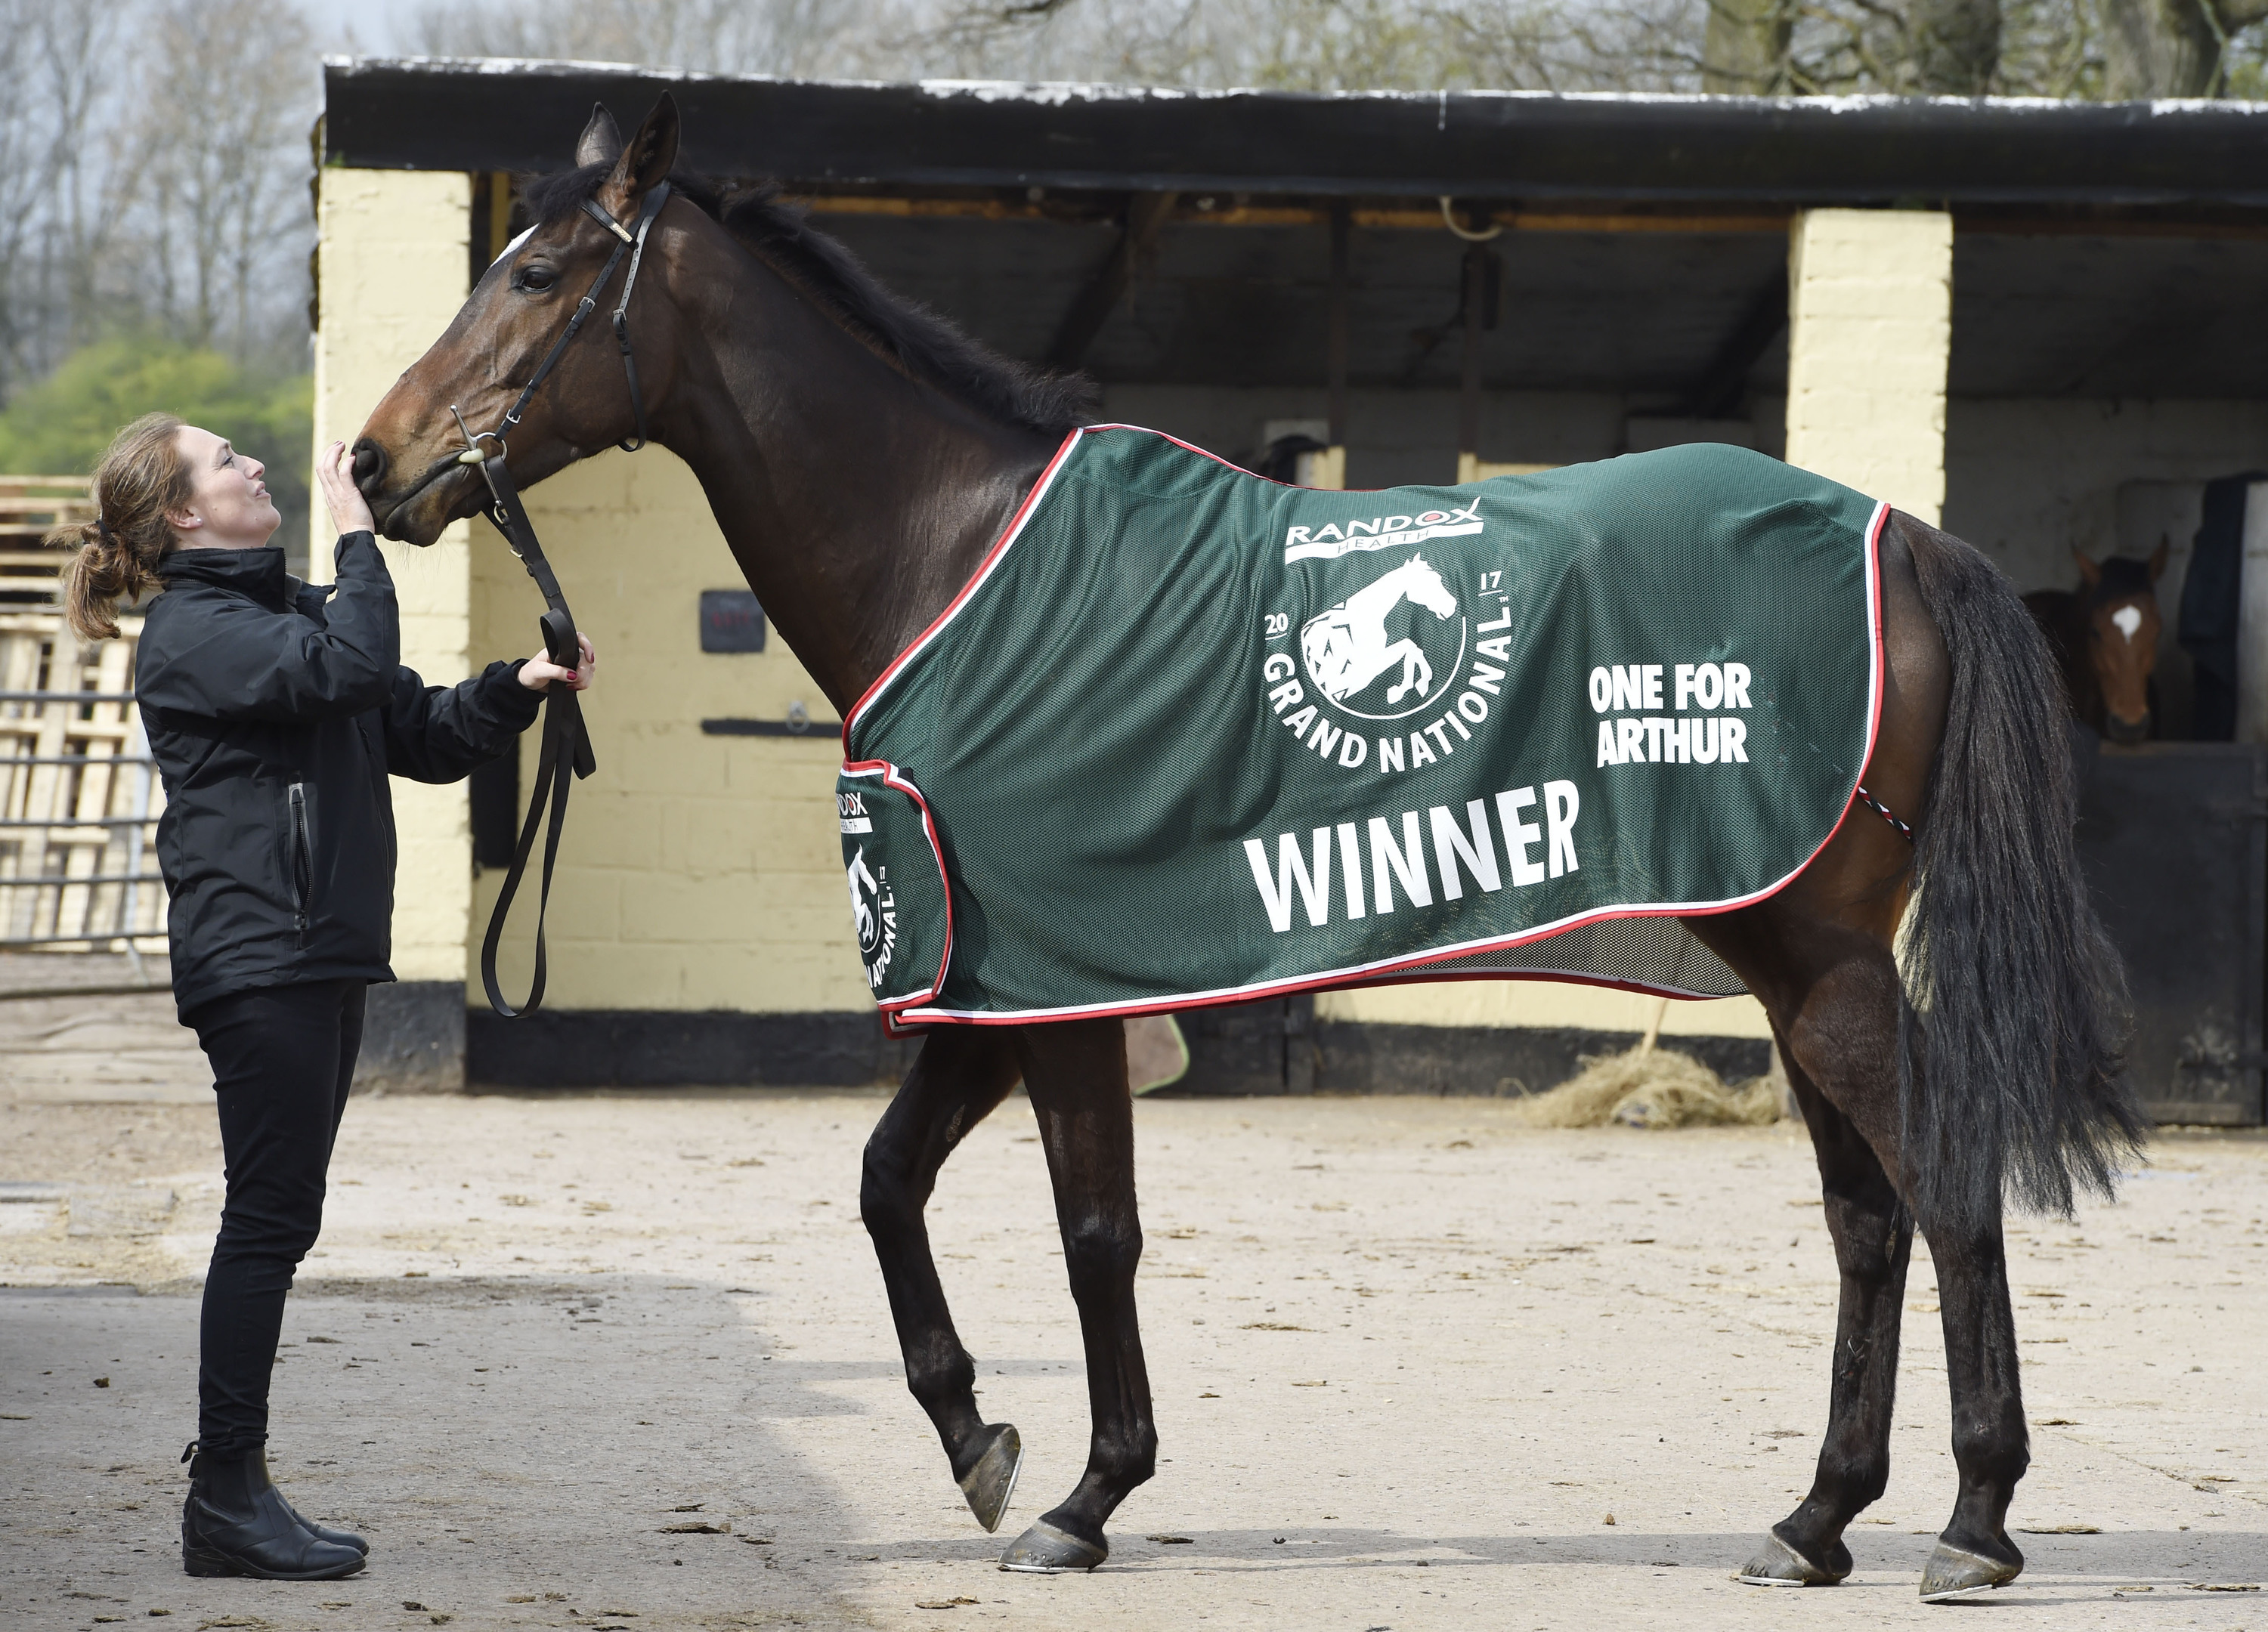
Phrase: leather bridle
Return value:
(566, 743)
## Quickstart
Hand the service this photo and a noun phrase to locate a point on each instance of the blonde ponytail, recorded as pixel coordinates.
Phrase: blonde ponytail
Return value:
(114, 557)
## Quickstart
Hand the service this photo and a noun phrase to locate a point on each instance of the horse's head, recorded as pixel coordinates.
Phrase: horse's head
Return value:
(406, 460)
(2122, 637)
(1423, 585)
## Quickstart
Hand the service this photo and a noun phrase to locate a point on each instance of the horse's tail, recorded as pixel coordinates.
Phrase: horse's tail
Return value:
(2014, 1008)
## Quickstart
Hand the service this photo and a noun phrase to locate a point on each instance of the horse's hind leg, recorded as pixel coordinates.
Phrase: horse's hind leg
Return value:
(1874, 1240)
(960, 1074)
(1990, 1445)
(1840, 1029)
(1075, 1074)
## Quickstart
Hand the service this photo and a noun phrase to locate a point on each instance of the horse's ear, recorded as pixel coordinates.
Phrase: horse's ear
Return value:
(2158, 556)
(647, 162)
(601, 141)
(2090, 574)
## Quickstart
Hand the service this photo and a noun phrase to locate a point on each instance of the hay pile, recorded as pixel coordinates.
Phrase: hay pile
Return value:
(1651, 1087)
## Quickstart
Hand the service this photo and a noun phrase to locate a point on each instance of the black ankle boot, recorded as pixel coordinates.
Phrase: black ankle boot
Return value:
(331, 1534)
(236, 1523)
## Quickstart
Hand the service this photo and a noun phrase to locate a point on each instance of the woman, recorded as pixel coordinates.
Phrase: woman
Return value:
(275, 710)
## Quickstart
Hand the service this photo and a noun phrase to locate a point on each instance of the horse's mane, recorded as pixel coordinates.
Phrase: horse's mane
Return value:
(906, 333)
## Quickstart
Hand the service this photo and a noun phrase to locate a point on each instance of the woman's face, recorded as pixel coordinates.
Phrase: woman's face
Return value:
(229, 507)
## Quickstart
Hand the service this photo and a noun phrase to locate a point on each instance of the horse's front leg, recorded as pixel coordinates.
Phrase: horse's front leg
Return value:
(1417, 674)
(962, 1072)
(1874, 1242)
(1075, 1074)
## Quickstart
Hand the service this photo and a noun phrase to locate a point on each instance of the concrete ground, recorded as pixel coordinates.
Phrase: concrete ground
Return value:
(625, 1362)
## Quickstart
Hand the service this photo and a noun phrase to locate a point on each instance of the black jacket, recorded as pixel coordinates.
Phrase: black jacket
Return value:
(275, 718)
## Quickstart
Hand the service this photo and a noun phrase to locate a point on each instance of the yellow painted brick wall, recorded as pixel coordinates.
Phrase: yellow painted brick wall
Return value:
(392, 273)
(1870, 330)
(697, 871)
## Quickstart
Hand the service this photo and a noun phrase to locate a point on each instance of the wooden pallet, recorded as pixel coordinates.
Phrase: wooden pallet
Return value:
(29, 506)
(79, 798)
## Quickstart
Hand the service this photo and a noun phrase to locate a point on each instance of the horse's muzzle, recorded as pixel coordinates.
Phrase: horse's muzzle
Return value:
(2126, 732)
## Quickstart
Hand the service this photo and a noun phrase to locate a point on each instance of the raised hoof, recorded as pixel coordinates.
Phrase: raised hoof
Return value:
(1777, 1564)
(988, 1485)
(1956, 1573)
(1045, 1550)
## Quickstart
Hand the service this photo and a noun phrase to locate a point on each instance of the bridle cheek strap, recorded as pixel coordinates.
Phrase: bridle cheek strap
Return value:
(566, 744)
(628, 241)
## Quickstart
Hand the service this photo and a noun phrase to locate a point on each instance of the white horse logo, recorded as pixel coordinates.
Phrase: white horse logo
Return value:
(862, 915)
(1346, 647)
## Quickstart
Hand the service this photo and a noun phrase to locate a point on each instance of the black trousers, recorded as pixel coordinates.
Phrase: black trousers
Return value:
(282, 1058)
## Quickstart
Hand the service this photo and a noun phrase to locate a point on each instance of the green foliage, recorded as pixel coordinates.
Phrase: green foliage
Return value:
(61, 426)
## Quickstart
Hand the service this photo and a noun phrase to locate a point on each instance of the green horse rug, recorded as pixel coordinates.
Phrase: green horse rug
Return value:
(1190, 737)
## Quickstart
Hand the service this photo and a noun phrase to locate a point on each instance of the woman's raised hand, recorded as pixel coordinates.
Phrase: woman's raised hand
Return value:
(540, 671)
(350, 510)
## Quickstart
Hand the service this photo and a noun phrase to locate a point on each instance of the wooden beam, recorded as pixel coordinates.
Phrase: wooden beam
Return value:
(1098, 297)
(1468, 369)
(1189, 214)
(1342, 232)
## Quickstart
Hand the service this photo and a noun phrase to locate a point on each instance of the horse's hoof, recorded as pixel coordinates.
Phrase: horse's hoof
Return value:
(1045, 1550)
(1777, 1564)
(1956, 1573)
(988, 1485)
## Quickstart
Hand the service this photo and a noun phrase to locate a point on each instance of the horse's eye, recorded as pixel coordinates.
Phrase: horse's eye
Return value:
(536, 279)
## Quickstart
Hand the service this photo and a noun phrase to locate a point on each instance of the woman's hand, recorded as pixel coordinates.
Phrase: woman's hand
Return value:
(350, 510)
(540, 671)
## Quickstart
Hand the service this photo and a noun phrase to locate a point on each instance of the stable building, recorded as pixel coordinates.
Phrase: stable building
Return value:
(2035, 324)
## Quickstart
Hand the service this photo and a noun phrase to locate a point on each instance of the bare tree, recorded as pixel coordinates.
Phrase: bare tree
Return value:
(2173, 47)
(791, 37)
(86, 70)
(1746, 47)
(1956, 45)
(231, 96)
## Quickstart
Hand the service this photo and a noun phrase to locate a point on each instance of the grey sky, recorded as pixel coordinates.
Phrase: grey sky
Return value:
(372, 27)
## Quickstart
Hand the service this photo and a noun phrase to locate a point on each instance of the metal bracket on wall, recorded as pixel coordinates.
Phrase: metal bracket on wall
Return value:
(798, 722)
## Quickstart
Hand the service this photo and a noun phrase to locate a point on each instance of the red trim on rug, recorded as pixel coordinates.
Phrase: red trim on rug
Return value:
(984, 571)
(892, 776)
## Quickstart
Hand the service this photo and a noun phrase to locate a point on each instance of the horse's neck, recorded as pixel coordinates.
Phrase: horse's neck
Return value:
(857, 502)
(1389, 591)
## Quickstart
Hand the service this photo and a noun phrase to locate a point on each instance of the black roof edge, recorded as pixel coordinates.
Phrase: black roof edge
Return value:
(439, 114)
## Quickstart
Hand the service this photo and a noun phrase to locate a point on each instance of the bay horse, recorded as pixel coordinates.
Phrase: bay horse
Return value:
(2104, 638)
(861, 454)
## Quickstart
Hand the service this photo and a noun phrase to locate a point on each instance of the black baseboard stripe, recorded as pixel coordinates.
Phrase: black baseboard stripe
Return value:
(1260, 1048)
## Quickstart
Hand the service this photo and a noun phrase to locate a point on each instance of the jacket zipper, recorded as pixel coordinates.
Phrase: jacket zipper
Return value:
(302, 862)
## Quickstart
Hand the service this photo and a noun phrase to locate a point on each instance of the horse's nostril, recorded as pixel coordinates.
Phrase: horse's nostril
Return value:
(369, 464)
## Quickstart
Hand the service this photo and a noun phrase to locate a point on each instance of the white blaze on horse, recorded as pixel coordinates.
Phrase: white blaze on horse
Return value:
(1346, 647)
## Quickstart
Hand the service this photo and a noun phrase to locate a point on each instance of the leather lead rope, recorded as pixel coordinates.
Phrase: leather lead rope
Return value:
(566, 750)
(565, 755)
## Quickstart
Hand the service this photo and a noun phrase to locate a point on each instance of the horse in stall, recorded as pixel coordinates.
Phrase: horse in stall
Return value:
(2105, 636)
(861, 455)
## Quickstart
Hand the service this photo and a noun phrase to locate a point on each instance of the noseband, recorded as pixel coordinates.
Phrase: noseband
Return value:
(566, 744)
